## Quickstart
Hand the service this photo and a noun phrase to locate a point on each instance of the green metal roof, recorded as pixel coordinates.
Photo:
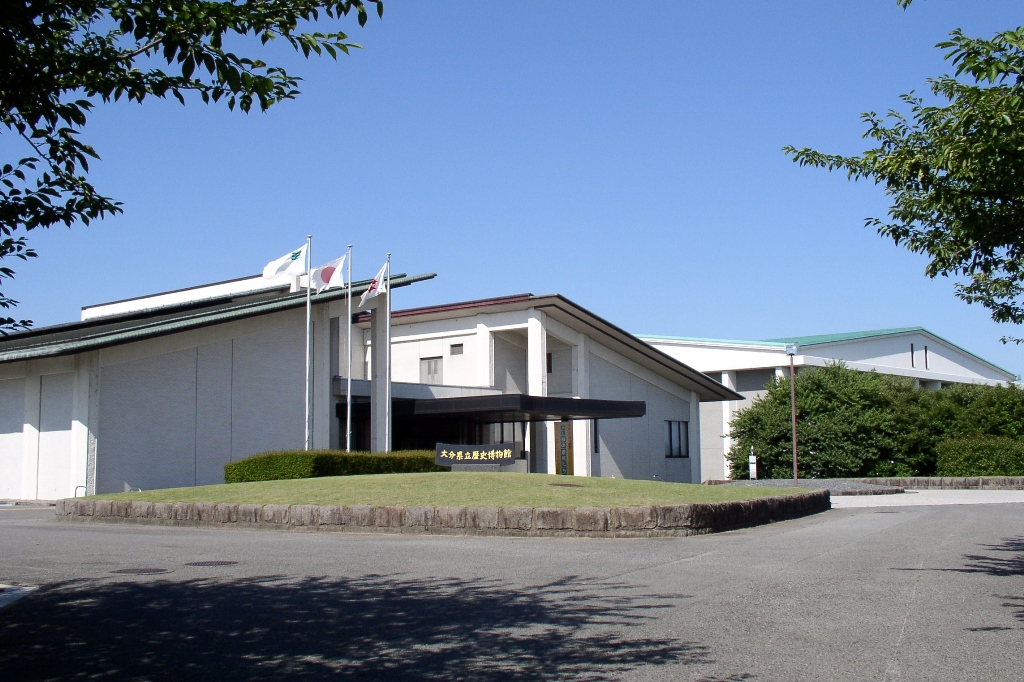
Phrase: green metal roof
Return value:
(63, 341)
(822, 339)
(848, 336)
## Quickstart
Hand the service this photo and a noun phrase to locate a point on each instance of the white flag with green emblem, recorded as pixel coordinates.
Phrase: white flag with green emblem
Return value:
(292, 263)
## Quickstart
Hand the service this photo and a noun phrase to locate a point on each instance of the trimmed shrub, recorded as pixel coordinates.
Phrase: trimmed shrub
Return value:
(981, 456)
(276, 466)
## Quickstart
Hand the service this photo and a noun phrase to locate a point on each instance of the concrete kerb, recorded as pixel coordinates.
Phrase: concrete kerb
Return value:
(638, 521)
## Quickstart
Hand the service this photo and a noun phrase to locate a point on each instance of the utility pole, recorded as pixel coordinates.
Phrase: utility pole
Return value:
(791, 349)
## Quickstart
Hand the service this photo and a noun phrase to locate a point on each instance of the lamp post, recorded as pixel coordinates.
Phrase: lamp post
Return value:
(791, 349)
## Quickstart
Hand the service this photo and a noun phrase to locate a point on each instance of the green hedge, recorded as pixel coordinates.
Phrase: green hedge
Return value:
(275, 466)
(981, 456)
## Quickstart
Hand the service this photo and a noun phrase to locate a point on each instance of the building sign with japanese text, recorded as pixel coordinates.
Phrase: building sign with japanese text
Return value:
(563, 446)
(448, 454)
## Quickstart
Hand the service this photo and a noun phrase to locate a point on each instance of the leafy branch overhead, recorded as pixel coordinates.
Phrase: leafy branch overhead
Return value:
(62, 56)
(955, 171)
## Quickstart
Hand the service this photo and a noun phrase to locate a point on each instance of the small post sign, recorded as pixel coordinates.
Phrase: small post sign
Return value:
(448, 454)
(563, 446)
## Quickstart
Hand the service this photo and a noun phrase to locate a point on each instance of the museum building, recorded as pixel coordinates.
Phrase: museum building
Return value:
(164, 390)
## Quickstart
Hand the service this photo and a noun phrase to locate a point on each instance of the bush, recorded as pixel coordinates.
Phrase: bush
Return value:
(276, 466)
(981, 456)
(864, 424)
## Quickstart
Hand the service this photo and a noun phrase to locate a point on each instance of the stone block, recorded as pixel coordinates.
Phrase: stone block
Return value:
(140, 510)
(304, 515)
(182, 511)
(516, 518)
(418, 517)
(450, 517)
(358, 515)
(89, 508)
(226, 513)
(637, 518)
(249, 513)
(482, 517)
(674, 516)
(592, 518)
(120, 508)
(550, 518)
(204, 511)
(387, 516)
(276, 514)
(58, 509)
(162, 510)
(332, 515)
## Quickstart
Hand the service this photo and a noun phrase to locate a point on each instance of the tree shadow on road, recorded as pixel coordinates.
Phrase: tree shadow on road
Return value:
(369, 627)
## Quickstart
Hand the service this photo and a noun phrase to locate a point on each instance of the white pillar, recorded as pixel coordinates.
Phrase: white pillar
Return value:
(695, 453)
(728, 408)
(484, 355)
(537, 384)
(87, 376)
(378, 370)
(581, 430)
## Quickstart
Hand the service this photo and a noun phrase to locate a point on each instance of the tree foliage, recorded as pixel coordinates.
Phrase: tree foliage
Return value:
(61, 57)
(857, 424)
(954, 168)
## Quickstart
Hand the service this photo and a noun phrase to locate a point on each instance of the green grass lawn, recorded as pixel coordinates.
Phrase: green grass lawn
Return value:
(457, 489)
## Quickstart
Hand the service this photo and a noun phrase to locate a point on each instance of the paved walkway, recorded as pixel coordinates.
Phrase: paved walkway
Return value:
(918, 498)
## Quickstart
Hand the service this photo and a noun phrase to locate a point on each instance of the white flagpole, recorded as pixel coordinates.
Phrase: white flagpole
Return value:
(309, 337)
(387, 414)
(348, 376)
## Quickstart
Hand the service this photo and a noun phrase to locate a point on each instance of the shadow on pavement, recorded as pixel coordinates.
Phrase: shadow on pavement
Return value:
(370, 627)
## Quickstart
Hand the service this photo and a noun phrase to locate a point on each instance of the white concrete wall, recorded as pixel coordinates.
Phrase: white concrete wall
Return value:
(635, 448)
(174, 410)
(510, 363)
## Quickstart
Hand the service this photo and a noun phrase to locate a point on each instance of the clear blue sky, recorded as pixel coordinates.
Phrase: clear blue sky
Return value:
(625, 155)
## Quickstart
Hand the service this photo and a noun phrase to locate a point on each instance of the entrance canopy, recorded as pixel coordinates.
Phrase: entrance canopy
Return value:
(513, 407)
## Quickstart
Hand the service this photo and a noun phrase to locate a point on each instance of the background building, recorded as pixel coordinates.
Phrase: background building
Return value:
(747, 366)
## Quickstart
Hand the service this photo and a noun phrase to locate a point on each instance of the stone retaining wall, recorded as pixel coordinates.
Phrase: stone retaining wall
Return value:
(652, 521)
(950, 482)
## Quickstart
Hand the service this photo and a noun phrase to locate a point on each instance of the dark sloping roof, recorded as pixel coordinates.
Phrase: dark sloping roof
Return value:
(106, 332)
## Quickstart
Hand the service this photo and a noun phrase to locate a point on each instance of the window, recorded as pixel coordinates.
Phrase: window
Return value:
(456, 349)
(549, 363)
(926, 357)
(596, 436)
(430, 370)
(677, 439)
(912, 355)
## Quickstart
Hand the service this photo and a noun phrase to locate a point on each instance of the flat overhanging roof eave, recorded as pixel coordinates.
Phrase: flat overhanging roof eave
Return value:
(517, 407)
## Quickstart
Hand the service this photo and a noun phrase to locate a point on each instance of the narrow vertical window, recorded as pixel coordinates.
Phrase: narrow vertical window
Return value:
(677, 439)
(595, 437)
(926, 357)
(912, 355)
(549, 363)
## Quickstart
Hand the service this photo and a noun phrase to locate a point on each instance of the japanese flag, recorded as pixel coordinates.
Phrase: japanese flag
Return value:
(292, 263)
(378, 285)
(330, 275)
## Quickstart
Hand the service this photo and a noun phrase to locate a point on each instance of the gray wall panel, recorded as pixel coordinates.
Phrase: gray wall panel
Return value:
(147, 423)
(213, 412)
(56, 397)
(267, 404)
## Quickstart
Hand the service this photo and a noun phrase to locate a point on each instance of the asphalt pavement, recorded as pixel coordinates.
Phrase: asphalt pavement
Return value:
(882, 593)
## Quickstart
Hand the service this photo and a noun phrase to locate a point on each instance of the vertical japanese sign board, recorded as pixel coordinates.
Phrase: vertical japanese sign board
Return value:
(563, 447)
